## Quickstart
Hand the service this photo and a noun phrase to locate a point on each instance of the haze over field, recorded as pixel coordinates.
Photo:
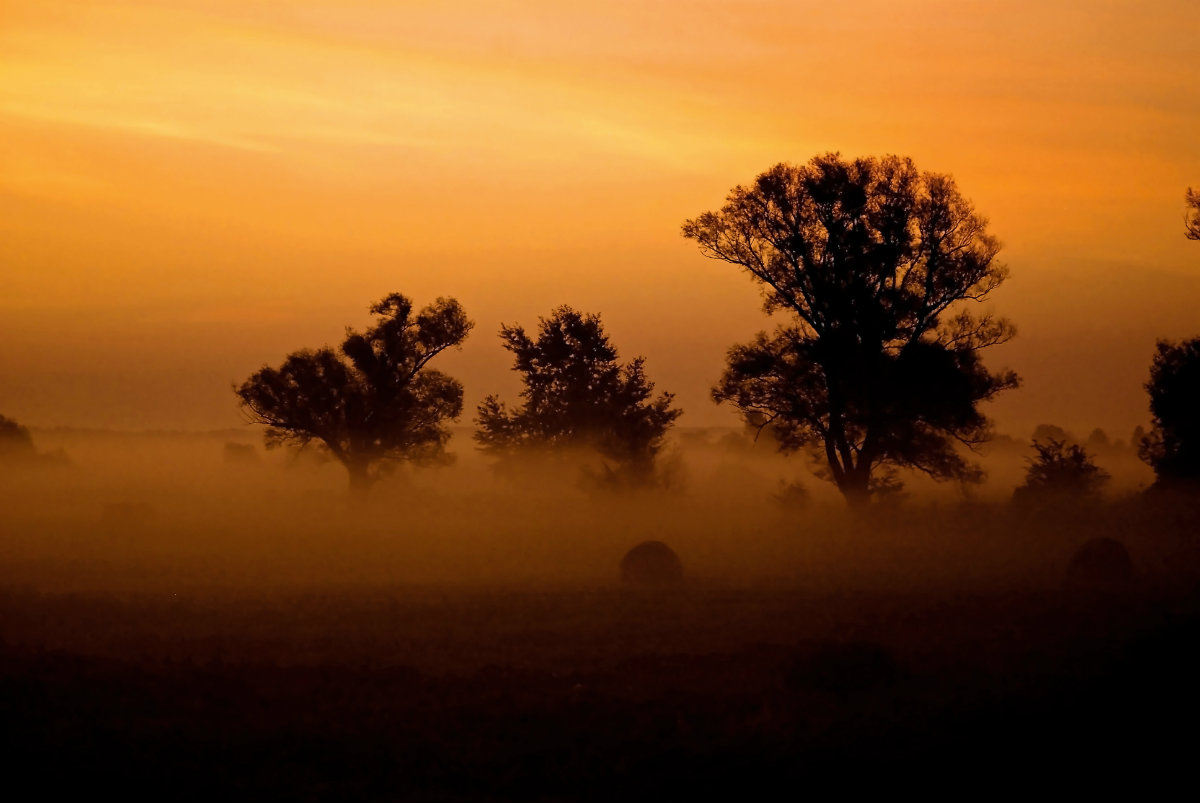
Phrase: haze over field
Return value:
(189, 190)
(522, 569)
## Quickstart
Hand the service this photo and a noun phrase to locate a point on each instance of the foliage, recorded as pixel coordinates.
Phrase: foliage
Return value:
(1061, 469)
(1052, 432)
(376, 399)
(879, 368)
(1191, 220)
(576, 395)
(1098, 440)
(1172, 447)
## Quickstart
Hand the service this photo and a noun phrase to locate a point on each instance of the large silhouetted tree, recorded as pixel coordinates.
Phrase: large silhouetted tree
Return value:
(372, 401)
(1172, 447)
(1191, 220)
(879, 367)
(576, 395)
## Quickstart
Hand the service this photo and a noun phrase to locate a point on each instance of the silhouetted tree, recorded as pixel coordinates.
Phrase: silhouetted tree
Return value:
(880, 368)
(375, 400)
(575, 395)
(17, 447)
(1052, 432)
(1172, 447)
(1061, 469)
(1138, 435)
(1098, 440)
(16, 442)
(1191, 219)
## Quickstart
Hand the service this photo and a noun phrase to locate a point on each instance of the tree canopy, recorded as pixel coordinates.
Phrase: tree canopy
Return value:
(879, 367)
(373, 400)
(1172, 447)
(1061, 469)
(577, 395)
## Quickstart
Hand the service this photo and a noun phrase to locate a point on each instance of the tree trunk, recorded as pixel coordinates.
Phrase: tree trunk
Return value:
(856, 485)
(360, 478)
(853, 481)
(855, 488)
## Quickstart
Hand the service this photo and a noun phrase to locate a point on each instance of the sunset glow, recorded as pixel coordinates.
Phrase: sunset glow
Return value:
(189, 189)
(674, 400)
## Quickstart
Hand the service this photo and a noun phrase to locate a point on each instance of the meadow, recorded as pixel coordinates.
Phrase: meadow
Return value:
(184, 620)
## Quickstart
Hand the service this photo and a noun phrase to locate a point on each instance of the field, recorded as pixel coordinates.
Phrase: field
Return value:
(176, 626)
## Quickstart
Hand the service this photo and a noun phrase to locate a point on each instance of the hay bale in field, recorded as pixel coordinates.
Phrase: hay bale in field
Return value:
(1100, 564)
(651, 564)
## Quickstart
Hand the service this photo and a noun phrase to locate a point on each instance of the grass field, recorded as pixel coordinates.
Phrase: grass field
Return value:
(174, 628)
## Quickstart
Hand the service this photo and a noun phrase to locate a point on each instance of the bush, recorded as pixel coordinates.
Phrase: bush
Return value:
(1061, 469)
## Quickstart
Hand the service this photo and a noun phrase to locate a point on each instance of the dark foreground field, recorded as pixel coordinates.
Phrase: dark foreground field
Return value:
(173, 628)
(397, 694)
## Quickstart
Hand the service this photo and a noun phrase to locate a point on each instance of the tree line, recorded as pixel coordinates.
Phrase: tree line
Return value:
(875, 271)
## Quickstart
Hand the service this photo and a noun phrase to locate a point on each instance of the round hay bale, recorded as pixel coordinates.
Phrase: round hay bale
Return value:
(1100, 564)
(651, 564)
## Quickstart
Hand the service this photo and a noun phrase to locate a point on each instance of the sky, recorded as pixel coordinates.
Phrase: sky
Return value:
(190, 190)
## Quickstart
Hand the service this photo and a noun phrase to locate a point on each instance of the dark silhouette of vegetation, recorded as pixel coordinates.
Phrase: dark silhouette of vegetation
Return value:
(1052, 432)
(373, 402)
(880, 368)
(1191, 219)
(17, 447)
(16, 442)
(576, 395)
(1061, 469)
(1172, 447)
(1098, 440)
(1137, 436)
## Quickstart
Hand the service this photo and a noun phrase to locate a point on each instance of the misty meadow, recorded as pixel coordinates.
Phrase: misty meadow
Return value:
(177, 611)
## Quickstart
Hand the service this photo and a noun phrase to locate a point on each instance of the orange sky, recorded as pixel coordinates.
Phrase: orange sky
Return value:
(190, 189)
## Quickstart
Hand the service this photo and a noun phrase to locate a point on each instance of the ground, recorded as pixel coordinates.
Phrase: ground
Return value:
(176, 629)
(398, 694)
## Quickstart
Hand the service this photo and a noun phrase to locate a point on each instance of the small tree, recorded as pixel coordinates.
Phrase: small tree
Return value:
(373, 401)
(1172, 447)
(1061, 469)
(17, 447)
(1191, 220)
(880, 367)
(16, 442)
(1052, 432)
(1137, 436)
(1098, 440)
(576, 395)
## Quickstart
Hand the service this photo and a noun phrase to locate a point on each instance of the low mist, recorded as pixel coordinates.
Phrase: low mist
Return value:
(182, 513)
(190, 609)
